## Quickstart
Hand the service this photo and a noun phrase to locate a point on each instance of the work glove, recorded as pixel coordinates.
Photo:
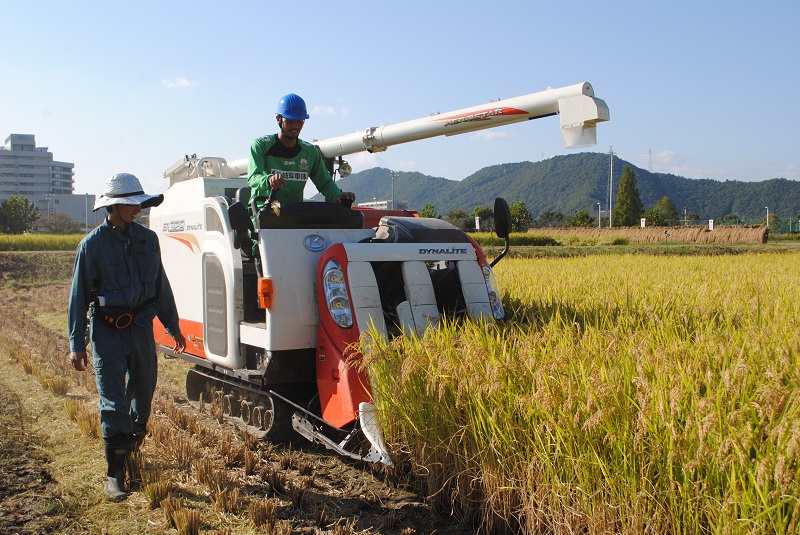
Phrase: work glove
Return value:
(346, 198)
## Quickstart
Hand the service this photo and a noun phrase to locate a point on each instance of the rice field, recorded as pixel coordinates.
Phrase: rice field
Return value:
(623, 394)
(39, 242)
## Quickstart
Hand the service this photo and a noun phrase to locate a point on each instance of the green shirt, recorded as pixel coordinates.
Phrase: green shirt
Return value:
(297, 164)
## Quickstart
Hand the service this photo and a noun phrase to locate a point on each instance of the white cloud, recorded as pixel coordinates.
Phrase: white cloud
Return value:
(361, 161)
(177, 82)
(790, 172)
(329, 111)
(406, 165)
(665, 158)
(669, 161)
(488, 135)
(323, 110)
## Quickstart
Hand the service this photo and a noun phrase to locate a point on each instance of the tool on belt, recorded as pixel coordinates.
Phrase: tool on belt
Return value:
(119, 317)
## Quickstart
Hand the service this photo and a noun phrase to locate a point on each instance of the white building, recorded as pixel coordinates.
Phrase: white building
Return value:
(31, 172)
(379, 205)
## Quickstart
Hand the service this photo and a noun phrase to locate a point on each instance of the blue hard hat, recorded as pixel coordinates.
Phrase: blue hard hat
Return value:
(291, 106)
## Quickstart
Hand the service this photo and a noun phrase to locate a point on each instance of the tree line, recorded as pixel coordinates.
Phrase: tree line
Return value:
(628, 211)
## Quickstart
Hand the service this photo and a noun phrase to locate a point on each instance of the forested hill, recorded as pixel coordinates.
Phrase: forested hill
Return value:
(569, 184)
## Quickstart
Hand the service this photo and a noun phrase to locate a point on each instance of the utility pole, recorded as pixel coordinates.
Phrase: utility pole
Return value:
(48, 197)
(392, 175)
(598, 215)
(610, 183)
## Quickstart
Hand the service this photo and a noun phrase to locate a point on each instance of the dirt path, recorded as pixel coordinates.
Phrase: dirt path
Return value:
(26, 488)
(52, 470)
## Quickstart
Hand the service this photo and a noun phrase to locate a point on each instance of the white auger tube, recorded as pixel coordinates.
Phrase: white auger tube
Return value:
(578, 108)
(580, 111)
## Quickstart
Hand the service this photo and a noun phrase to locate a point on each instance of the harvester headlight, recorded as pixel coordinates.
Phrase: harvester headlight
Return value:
(345, 169)
(334, 275)
(495, 302)
(338, 303)
(336, 294)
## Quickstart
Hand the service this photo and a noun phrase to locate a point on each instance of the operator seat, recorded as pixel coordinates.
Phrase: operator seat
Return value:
(243, 195)
(241, 224)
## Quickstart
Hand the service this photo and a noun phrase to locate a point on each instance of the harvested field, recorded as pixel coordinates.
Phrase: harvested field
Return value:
(196, 475)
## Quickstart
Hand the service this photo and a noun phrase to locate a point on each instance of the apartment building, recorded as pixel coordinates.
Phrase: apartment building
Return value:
(31, 172)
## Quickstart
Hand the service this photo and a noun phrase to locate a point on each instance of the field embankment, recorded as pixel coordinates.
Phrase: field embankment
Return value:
(36, 266)
(692, 234)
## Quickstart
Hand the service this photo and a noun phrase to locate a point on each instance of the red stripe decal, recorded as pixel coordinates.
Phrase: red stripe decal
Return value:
(480, 115)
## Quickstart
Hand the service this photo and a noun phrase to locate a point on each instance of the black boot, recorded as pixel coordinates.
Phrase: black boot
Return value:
(138, 438)
(117, 450)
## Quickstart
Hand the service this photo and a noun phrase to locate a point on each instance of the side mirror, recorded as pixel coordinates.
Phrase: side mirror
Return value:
(502, 218)
(502, 225)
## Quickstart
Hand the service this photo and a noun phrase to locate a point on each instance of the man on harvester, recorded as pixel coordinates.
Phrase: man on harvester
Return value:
(282, 162)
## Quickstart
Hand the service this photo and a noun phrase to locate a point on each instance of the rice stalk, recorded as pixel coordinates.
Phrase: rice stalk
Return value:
(227, 500)
(187, 521)
(643, 394)
(157, 492)
(263, 513)
(57, 385)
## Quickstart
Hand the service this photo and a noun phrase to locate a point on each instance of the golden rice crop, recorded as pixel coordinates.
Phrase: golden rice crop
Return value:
(623, 394)
(39, 242)
(517, 239)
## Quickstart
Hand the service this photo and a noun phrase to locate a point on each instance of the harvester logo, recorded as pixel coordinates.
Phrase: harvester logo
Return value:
(480, 115)
(174, 226)
(314, 243)
(448, 250)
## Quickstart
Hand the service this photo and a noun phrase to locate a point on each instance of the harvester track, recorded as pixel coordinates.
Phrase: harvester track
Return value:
(263, 415)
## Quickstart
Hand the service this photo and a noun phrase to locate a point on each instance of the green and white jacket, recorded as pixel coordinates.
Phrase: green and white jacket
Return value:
(297, 164)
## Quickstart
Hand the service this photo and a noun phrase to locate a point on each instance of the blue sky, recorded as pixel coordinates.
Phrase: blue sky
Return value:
(700, 89)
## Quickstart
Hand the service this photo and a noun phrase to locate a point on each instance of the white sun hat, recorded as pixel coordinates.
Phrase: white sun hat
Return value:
(125, 188)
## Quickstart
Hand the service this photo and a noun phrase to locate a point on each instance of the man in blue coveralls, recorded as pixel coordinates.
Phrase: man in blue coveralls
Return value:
(118, 277)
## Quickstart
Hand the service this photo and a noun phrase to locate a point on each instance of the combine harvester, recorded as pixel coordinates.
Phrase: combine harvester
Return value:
(272, 338)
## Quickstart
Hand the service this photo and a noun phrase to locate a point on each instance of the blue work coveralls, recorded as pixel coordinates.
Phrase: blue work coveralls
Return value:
(124, 267)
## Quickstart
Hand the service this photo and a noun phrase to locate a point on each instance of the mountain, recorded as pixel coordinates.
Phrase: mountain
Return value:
(575, 182)
(413, 189)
